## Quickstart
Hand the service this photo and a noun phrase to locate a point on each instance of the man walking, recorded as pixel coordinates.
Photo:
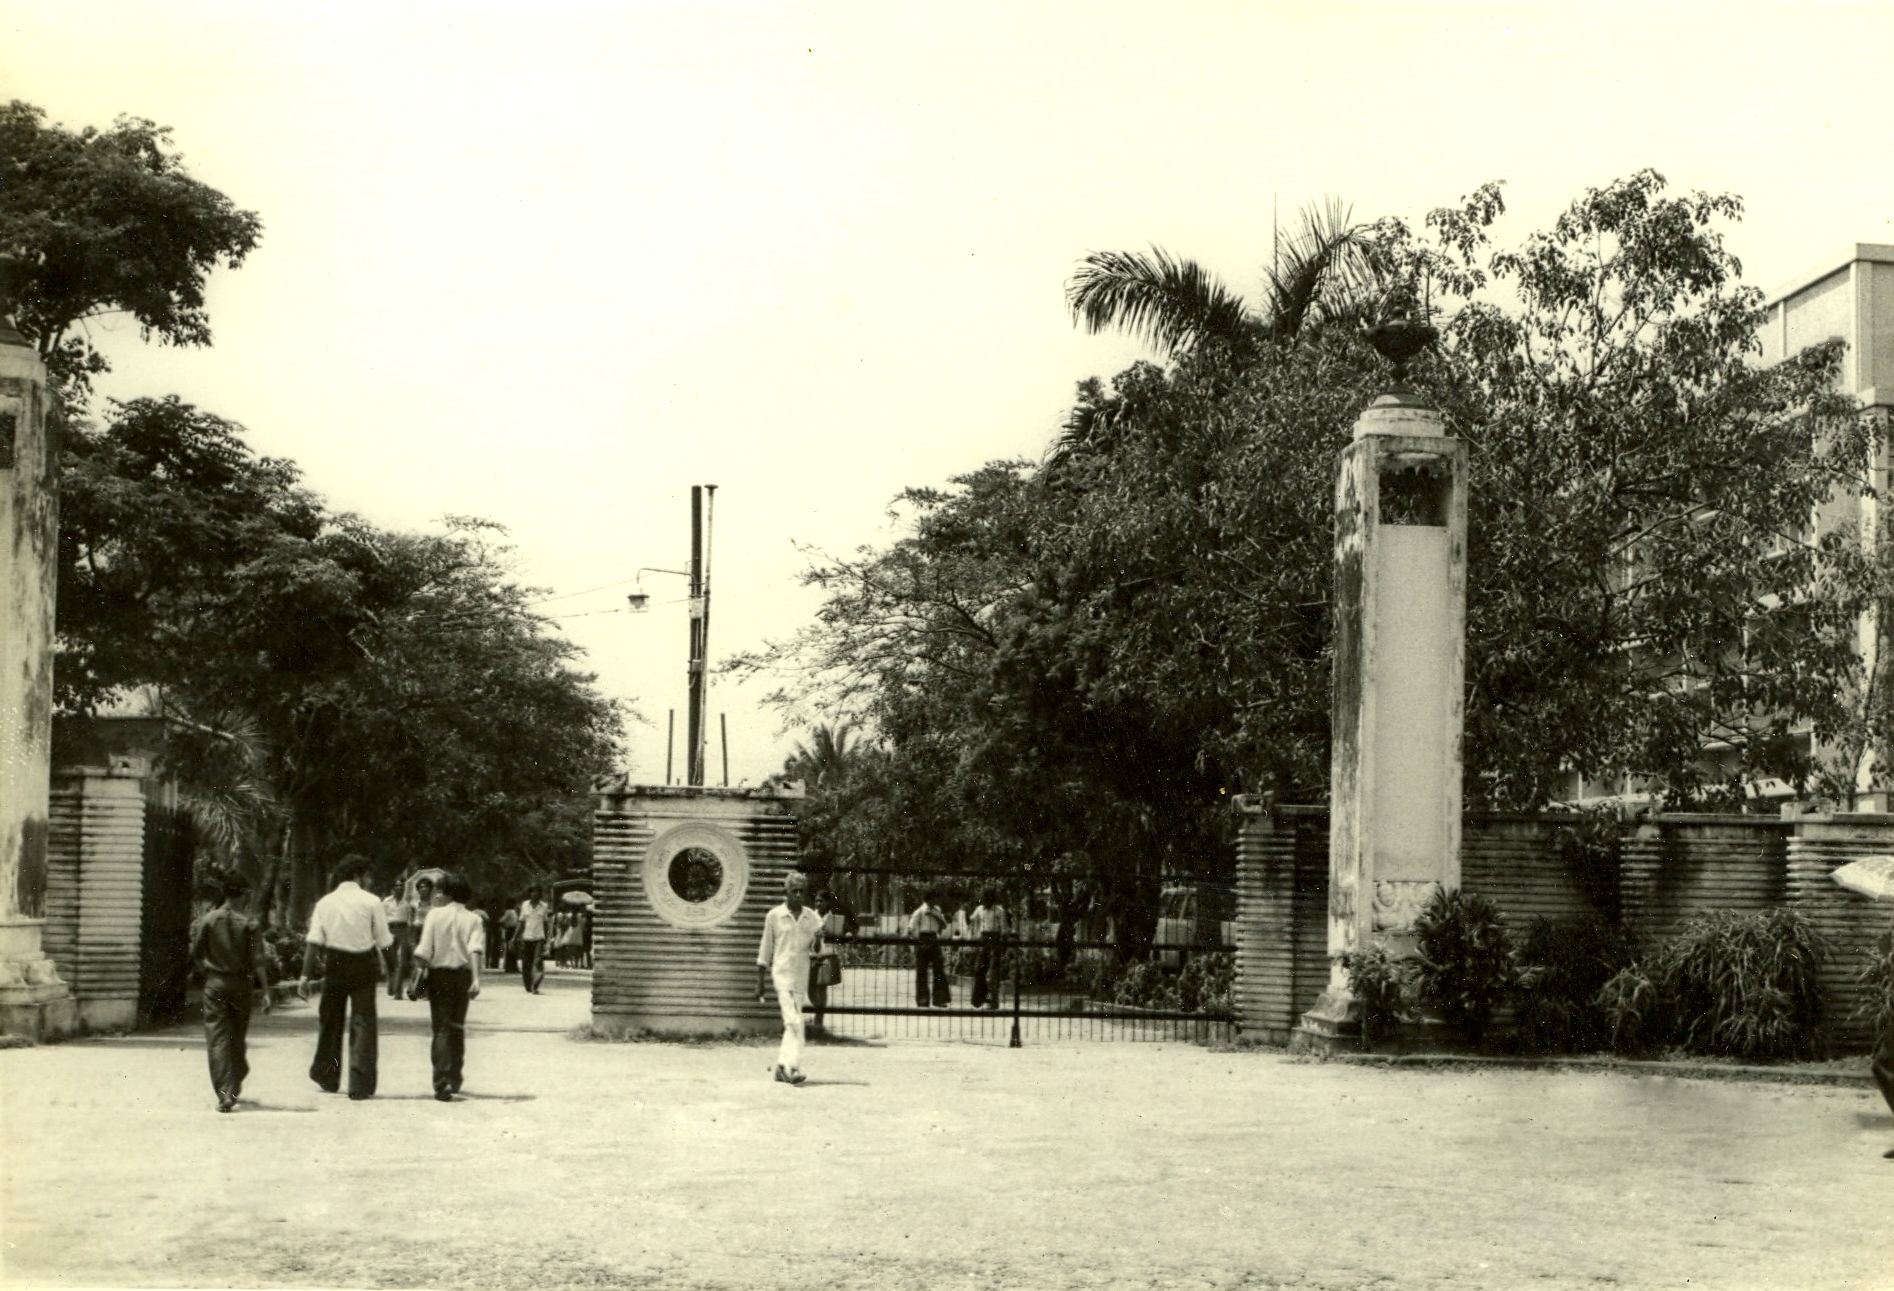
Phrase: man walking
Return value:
(535, 923)
(791, 933)
(988, 926)
(349, 931)
(227, 947)
(453, 943)
(399, 911)
(928, 924)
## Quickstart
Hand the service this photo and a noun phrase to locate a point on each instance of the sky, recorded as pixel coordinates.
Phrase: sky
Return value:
(553, 263)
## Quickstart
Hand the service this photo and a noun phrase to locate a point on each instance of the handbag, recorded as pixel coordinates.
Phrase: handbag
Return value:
(825, 970)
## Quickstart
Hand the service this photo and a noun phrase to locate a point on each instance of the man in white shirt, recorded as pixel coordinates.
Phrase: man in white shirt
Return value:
(791, 933)
(535, 923)
(349, 930)
(453, 942)
(928, 924)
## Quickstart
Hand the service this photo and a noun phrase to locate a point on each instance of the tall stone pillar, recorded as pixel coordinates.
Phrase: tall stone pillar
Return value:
(34, 1003)
(1399, 706)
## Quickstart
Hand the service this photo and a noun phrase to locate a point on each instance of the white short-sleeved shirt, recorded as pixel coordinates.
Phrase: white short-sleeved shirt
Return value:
(349, 919)
(452, 937)
(787, 942)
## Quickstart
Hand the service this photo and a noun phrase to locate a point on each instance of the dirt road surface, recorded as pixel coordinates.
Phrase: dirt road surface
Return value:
(918, 1165)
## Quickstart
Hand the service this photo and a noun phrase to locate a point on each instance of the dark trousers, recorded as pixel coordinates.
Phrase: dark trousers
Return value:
(348, 992)
(1881, 1066)
(227, 999)
(929, 962)
(400, 959)
(447, 1008)
(532, 963)
(986, 972)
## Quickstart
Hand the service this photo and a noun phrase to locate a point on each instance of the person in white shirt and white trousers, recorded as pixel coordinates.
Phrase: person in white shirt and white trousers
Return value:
(791, 933)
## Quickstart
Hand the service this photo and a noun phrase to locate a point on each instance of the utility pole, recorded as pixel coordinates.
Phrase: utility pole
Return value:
(703, 510)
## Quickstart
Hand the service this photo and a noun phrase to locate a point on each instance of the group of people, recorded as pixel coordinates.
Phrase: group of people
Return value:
(986, 926)
(424, 939)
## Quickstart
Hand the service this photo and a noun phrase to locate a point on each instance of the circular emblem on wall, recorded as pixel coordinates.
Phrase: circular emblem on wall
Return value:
(695, 875)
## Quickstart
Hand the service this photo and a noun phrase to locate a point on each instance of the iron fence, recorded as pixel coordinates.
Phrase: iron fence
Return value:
(1027, 989)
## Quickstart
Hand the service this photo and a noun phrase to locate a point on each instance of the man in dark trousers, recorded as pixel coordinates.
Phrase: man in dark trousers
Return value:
(227, 947)
(349, 931)
(927, 925)
(453, 944)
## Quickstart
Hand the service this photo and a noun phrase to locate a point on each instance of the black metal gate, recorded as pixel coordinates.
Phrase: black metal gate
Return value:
(1057, 973)
(164, 967)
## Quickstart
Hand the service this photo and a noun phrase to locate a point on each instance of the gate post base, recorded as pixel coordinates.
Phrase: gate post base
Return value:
(1332, 1025)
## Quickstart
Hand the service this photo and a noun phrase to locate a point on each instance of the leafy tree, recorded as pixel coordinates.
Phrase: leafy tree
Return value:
(104, 221)
(159, 508)
(1064, 665)
(1647, 598)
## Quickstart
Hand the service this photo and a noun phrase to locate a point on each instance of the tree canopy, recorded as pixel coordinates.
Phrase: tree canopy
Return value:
(97, 221)
(1072, 663)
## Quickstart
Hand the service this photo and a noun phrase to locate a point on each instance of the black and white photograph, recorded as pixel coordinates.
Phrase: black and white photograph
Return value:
(735, 645)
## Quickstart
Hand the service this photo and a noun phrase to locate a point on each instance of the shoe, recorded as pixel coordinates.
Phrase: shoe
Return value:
(226, 1104)
(796, 1077)
(361, 1097)
(443, 1096)
(1888, 1155)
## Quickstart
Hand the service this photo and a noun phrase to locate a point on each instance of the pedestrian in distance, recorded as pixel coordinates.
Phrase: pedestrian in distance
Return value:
(421, 896)
(453, 944)
(509, 938)
(535, 924)
(928, 924)
(227, 947)
(348, 933)
(792, 932)
(399, 911)
(988, 927)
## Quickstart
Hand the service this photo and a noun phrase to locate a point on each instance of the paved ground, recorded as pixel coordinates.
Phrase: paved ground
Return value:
(919, 1165)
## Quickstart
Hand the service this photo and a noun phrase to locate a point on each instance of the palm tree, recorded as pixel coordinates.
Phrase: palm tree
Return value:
(1329, 271)
(825, 757)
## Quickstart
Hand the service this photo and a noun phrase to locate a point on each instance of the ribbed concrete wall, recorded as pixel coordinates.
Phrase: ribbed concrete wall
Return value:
(1674, 867)
(650, 973)
(1518, 863)
(95, 893)
(1679, 866)
(1281, 920)
(1850, 923)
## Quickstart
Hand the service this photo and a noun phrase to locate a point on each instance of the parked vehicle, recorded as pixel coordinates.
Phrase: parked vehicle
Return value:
(1194, 916)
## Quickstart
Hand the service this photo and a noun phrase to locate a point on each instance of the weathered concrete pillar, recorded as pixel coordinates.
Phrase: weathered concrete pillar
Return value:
(1399, 706)
(34, 1003)
(683, 878)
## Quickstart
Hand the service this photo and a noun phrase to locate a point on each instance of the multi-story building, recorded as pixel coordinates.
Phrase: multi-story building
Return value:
(1850, 296)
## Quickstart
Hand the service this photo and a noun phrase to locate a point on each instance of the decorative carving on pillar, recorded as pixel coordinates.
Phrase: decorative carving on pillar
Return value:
(1398, 902)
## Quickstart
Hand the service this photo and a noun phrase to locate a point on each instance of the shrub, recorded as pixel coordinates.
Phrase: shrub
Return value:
(1464, 965)
(1563, 968)
(1380, 986)
(1877, 980)
(1742, 985)
(1206, 984)
(285, 950)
